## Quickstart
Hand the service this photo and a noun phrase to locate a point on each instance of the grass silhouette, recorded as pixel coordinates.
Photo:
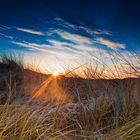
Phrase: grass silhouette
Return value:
(98, 106)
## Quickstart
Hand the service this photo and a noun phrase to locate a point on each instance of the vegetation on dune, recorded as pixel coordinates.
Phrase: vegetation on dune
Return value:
(35, 106)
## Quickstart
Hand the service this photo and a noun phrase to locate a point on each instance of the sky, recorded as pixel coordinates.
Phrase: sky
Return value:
(56, 34)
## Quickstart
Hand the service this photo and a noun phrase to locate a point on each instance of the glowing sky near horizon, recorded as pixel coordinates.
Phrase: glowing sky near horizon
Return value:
(57, 35)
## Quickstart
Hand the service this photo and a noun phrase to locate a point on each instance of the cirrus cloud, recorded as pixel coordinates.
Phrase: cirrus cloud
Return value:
(110, 44)
(30, 31)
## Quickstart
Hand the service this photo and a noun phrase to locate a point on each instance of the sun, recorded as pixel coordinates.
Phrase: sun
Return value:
(56, 73)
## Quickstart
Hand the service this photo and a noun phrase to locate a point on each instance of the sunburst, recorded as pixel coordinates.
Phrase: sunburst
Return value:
(55, 74)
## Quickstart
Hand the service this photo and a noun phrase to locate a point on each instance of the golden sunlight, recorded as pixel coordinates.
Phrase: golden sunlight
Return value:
(56, 73)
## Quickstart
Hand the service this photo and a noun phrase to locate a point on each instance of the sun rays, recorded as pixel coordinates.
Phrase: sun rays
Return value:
(50, 90)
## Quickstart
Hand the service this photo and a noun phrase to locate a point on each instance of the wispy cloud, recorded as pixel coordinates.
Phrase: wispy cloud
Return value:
(68, 45)
(6, 36)
(56, 52)
(64, 23)
(90, 31)
(31, 46)
(81, 43)
(56, 48)
(30, 31)
(76, 38)
(82, 46)
(95, 31)
(3, 27)
(110, 44)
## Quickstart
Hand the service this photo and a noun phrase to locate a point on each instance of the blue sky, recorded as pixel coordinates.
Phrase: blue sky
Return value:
(59, 33)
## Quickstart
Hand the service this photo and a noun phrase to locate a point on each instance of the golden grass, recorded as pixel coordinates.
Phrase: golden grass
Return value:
(70, 108)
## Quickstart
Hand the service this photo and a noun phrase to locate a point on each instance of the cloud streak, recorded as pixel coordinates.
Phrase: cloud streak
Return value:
(80, 27)
(110, 44)
(30, 31)
(56, 48)
(3, 27)
(6, 36)
(79, 39)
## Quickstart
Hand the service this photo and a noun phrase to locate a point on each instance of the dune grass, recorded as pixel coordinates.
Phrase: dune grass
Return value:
(37, 107)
